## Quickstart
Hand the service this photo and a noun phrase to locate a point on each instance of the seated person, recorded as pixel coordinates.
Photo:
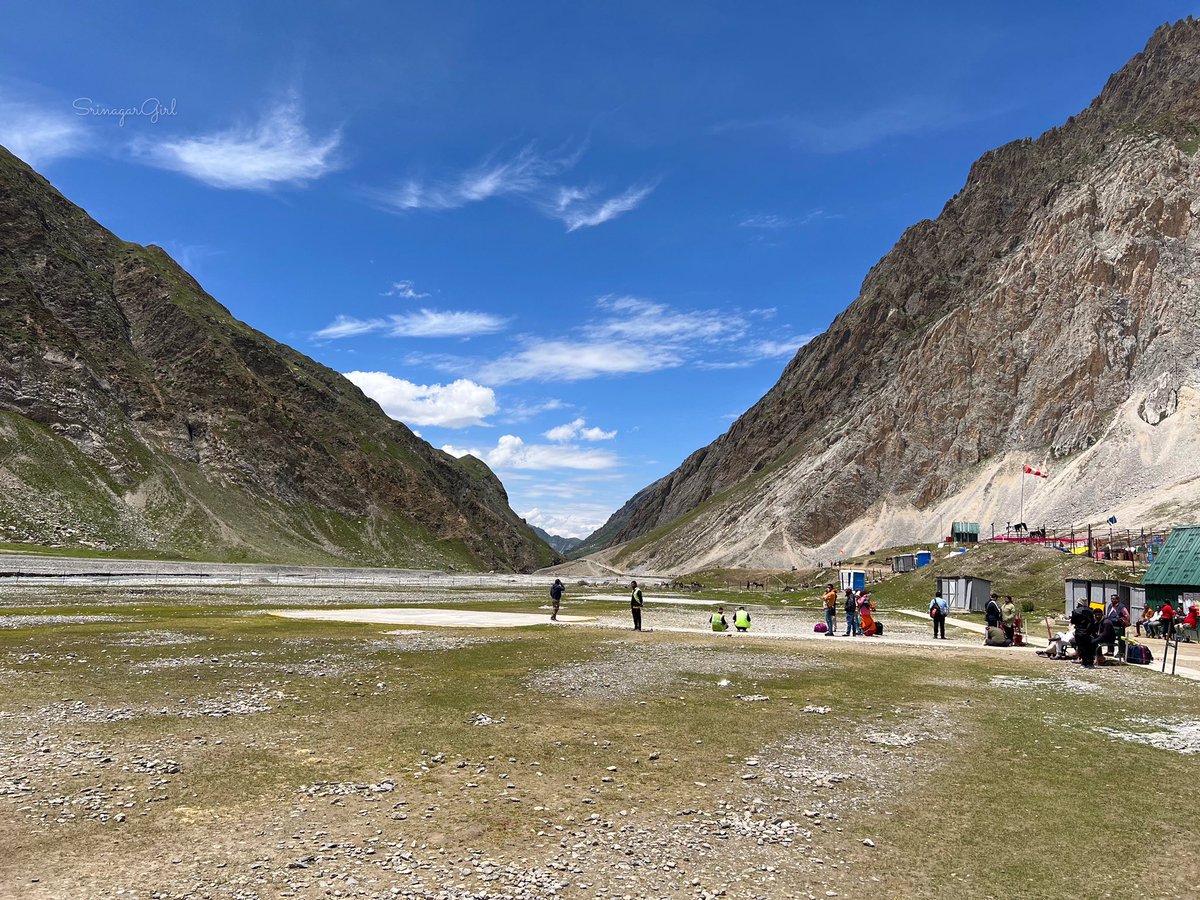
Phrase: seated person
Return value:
(996, 637)
(1150, 623)
(1188, 627)
(1146, 616)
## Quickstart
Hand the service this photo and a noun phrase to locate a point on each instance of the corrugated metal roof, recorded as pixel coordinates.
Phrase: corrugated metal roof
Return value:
(1178, 562)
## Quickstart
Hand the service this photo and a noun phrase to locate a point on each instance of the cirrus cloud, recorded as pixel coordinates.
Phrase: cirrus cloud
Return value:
(276, 150)
(527, 175)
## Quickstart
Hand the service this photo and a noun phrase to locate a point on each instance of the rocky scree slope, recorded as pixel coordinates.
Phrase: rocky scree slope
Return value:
(1048, 315)
(136, 411)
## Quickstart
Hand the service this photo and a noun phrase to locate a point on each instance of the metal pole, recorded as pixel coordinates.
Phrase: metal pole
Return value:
(1023, 495)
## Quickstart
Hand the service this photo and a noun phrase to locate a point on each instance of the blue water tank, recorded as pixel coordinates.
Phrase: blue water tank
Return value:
(924, 558)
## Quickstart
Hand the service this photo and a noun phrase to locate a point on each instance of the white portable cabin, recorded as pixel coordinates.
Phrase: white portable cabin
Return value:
(1098, 592)
(965, 593)
(905, 562)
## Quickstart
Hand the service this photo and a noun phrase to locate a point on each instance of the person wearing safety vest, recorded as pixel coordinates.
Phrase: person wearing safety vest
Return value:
(741, 619)
(717, 620)
(636, 602)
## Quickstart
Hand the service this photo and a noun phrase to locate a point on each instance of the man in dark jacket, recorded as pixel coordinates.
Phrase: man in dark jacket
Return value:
(556, 592)
(1085, 633)
(991, 612)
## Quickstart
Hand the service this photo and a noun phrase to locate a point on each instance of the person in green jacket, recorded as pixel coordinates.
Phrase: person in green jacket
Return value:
(717, 620)
(741, 619)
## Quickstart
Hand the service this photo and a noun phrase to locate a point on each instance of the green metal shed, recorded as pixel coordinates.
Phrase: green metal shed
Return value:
(1175, 572)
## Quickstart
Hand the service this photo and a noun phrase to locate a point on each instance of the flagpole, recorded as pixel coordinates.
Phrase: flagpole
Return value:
(1023, 495)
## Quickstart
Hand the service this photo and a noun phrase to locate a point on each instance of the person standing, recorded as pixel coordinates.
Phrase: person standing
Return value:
(1084, 624)
(717, 620)
(1113, 625)
(636, 602)
(1166, 620)
(850, 607)
(741, 619)
(556, 592)
(866, 619)
(830, 598)
(938, 610)
(991, 612)
(1008, 618)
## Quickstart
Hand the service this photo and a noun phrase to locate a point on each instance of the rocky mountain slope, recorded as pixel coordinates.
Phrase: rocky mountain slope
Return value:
(558, 543)
(136, 412)
(1048, 316)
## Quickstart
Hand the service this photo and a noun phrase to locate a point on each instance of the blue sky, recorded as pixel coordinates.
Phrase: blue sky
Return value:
(576, 239)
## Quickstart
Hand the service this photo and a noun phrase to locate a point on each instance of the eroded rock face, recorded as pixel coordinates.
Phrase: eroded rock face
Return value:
(1056, 287)
(136, 411)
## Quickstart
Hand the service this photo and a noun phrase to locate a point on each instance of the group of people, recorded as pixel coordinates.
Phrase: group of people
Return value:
(859, 612)
(1090, 633)
(1165, 623)
(741, 620)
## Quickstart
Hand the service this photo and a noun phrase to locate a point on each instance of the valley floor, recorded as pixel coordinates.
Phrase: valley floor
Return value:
(175, 741)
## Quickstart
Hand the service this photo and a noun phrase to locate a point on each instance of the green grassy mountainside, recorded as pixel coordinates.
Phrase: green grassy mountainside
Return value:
(137, 412)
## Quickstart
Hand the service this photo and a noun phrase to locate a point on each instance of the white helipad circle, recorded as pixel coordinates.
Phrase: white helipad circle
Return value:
(449, 618)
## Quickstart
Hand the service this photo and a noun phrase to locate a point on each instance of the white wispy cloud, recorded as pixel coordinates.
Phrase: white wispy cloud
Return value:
(424, 323)
(584, 213)
(348, 326)
(276, 150)
(459, 404)
(766, 221)
(772, 349)
(631, 336)
(511, 452)
(644, 320)
(441, 323)
(565, 360)
(523, 411)
(849, 130)
(529, 176)
(39, 134)
(405, 290)
(578, 430)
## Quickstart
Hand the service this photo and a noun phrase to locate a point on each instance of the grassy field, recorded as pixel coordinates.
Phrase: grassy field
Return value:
(189, 746)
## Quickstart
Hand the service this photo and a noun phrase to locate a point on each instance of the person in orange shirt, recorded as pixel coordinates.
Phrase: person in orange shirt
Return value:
(830, 597)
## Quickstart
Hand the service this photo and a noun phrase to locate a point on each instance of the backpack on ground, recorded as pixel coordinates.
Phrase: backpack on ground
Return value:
(1139, 654)
(820, 627)
(878, 628)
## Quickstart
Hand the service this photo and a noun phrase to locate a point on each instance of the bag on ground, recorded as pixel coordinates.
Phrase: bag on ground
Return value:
(1139, 653)
(820, 627)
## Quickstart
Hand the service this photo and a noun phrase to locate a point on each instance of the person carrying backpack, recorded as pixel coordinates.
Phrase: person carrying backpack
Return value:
(850, 607)
(938, 610)
(556, 592)
(636, 602)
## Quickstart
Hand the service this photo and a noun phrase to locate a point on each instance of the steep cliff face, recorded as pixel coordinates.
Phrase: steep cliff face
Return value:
(135, 411)
(1051, 306)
